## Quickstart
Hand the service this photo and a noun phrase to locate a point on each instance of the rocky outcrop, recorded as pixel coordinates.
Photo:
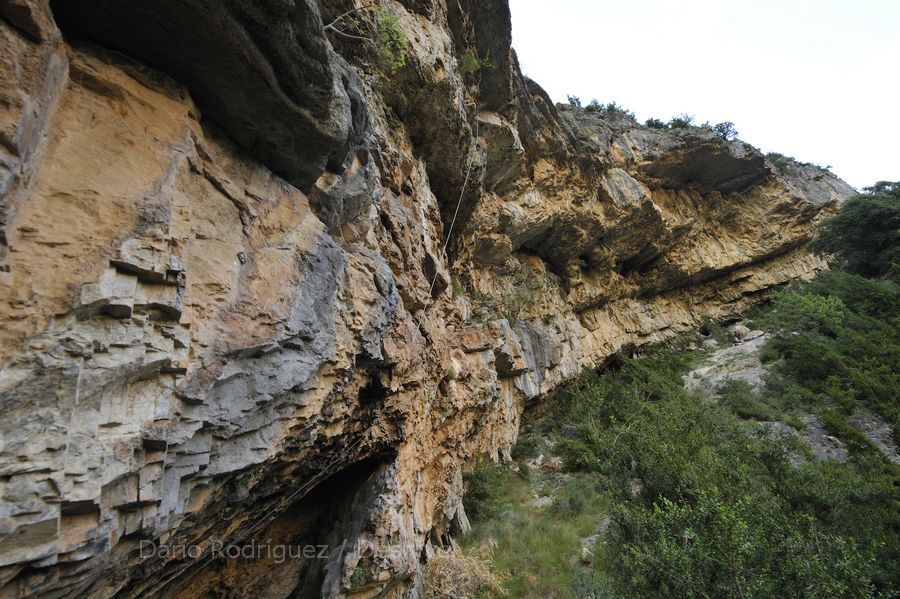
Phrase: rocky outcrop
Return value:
(228, 319)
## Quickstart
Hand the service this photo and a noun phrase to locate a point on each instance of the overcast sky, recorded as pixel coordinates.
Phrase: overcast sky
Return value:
(815, 79)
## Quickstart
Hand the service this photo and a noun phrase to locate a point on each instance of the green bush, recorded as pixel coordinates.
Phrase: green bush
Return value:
(726, 130)
(483, 491)
(391, 41)
(788, 165)
(513, 305)
(838, 426)
(837, 342)
(719, 511)
(714, 330)
(610, 110)
(739, 397)
(527, 447)
(783, 164)
(469, 64)
(654, 123)
(865, 234)
(795, 312)
(457, 287)
(681, 121)
(713, 545)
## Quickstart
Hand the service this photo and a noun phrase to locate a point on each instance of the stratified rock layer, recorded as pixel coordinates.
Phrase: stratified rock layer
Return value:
(227, 316)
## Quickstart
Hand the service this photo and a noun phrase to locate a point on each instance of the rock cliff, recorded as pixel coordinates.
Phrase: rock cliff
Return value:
(267, 279)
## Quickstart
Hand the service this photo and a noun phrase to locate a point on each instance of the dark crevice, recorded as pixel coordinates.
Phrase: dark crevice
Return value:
(374, 392)
(311, 530)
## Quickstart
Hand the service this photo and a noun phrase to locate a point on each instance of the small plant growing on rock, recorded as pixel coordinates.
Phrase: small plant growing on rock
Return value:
(388, 38)
(458, 289)
(358, 578)
(391, 42)
(795, 423)
(653, 123)
(518, 302)
(783, 164)
(469, 64)
(574, 101)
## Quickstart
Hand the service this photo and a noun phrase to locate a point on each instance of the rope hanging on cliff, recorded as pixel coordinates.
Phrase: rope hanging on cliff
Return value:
(462, 192)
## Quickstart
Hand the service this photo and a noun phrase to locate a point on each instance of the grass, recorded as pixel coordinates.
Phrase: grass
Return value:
(452, 574)
(740, 398)
(534, 546)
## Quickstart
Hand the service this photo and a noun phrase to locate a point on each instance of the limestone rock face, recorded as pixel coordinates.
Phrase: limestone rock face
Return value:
(227, 316)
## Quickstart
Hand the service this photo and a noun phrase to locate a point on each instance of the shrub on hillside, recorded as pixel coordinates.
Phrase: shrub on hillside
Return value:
(865, 234)
(609, 110)
(681, 121)
(715, 511)
(483, 491)
(726, 130)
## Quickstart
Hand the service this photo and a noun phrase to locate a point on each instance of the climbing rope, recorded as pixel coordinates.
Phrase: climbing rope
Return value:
(462, 192)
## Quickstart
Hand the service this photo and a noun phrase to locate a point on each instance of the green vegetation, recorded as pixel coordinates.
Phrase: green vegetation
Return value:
(788, 165)
(391, 41)
(681, 121)
(388, 37)
(358, 577)
(784, 164)
(712, 329)
(517, 301)
(521, 300)
(865, 235)
(726, 130)
(739, 397)
(701, 505)
(838, 341)
(469, 64)
(457, 287)
(610, 110)
(704, 499)
(533, 543)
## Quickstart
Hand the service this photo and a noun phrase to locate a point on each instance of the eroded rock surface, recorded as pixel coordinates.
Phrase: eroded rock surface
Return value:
(225, 310)
(739, 362)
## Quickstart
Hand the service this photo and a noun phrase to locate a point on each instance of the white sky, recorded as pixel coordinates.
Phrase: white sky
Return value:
(815, 79)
